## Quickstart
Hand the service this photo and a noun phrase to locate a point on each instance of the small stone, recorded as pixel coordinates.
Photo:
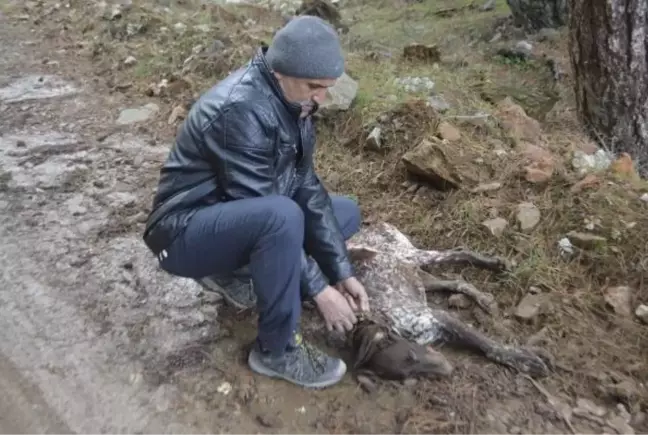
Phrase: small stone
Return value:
(623, 166)
(459, 301)
(130, 61)
(225, 388)
(180, 27)
(496, 226)
(341, 94)
(644, 197)
(516, 123)
(548, 34)
(141, 114)
(586, 240)
(642, 313)
(587, 407)
(410, 382)
(486, 187)
(21, 144)
(524, 47)
(530, 306)
(589, 181)
(528, 216)
(489, 5)
(269, 420)
(373, 140)
(178, 113)
(539, 172)
(620, 299)
(366, 383)
(438, 103)
(449, 132)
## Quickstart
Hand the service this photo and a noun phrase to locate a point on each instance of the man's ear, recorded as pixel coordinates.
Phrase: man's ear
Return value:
(360, 254)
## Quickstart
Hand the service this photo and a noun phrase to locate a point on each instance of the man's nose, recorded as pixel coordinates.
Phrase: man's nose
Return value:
(320, 96)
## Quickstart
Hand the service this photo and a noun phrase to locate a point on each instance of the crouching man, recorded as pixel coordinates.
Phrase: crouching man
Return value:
(240, 208)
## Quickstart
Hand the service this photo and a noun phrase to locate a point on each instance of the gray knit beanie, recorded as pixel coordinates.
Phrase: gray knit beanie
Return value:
(306, 47)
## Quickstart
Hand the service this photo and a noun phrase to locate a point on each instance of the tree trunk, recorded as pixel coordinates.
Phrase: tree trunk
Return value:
(608, 48)
(534, 15)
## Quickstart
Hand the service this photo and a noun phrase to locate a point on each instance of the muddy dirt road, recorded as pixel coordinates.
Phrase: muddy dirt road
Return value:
(72, 301)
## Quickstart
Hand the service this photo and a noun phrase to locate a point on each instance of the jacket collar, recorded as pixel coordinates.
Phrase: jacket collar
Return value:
(266, 72)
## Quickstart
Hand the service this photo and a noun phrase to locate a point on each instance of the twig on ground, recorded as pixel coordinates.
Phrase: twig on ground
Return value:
(558, 405)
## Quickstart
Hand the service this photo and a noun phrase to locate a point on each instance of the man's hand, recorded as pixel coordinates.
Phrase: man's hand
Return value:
(335, 310)
(355, 294)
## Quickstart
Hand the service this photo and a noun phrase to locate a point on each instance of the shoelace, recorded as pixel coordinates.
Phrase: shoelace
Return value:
(314, 354)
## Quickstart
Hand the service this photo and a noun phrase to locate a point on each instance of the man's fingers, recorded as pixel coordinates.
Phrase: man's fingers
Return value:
(351, 301)
(364, 303)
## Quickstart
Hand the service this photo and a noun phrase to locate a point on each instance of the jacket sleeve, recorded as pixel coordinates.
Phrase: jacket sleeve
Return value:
(240, 147)
(323, 238)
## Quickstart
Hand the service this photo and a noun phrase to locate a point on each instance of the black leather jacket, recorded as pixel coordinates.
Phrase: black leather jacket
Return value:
(252, 142)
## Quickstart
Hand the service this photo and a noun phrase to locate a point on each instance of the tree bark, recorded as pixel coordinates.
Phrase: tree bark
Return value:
(608, 48)
(534, 15)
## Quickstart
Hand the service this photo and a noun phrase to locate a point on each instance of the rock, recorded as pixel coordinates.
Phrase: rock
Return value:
(496, 226)
(644, 197)
(565, 246)
(538, 172)
(489, 5)
(459, 301)
(486, 187)
(367, 384)
(584, 163)
(524, 47)
(448, 132)
(438, 103)
(623, 166)
(422, 53)
(130, 61)
(373, 140)
(548, 34)
(178, 113)
(516, 123)
(585, 407)
(141, 114)
(528, 216)
(620, 425)
(269, 420)
(642, 313)
(586, 240)
(428, 160)
(620, 299)
(530, 306)
(624, 390)
(415, 84)
(589, 181)
(341, 95)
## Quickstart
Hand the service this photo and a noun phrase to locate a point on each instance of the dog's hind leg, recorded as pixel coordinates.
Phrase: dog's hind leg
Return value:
(459, 334)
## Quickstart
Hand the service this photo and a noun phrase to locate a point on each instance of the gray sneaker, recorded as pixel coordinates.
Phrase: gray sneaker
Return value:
(236, 290)
(303, 364)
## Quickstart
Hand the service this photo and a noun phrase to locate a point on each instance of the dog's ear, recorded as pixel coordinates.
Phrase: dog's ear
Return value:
(361, 254)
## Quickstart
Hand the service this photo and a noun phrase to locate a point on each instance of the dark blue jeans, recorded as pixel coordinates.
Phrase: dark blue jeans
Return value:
(266, 233)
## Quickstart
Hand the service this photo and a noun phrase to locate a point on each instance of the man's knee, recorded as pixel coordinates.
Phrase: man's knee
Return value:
(348, 214)
(283, 214)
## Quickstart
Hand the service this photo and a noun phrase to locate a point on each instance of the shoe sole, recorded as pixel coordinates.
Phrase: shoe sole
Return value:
(259, 368)
(209, 285)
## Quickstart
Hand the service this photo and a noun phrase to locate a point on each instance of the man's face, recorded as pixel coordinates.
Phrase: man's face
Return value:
(304, 91)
